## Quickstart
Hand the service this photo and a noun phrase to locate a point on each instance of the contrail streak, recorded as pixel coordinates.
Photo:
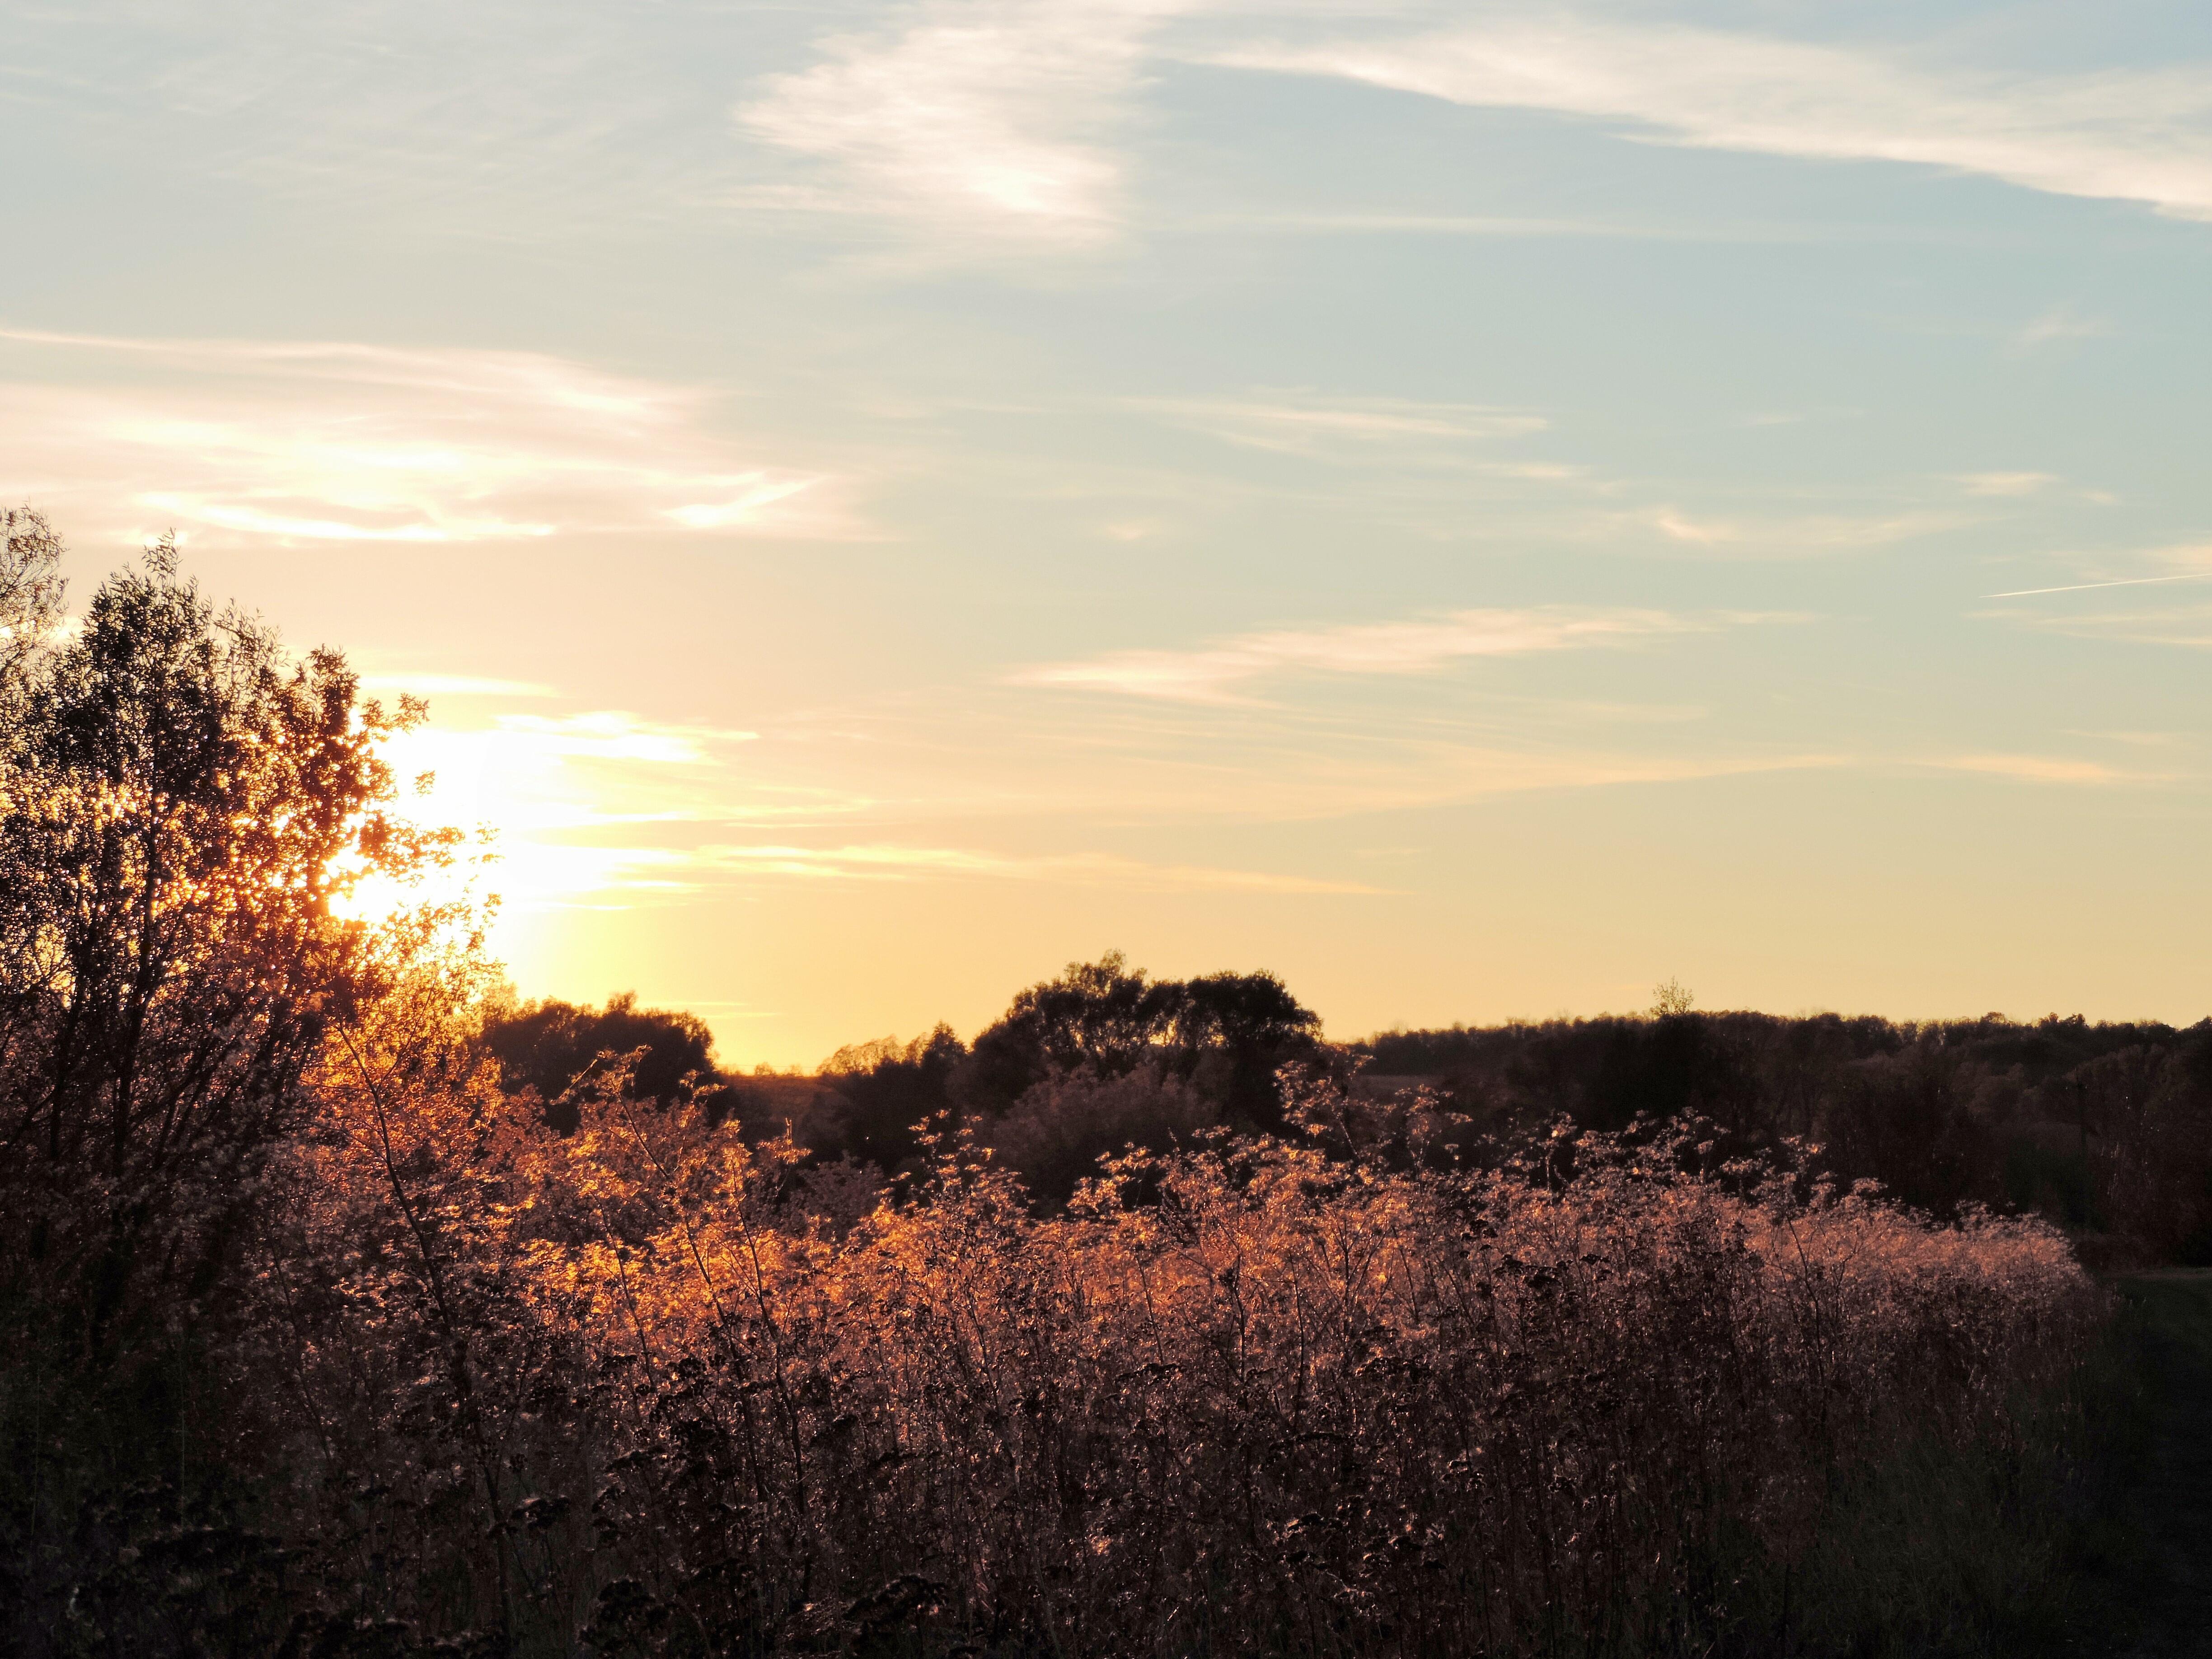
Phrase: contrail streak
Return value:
(2082, 587)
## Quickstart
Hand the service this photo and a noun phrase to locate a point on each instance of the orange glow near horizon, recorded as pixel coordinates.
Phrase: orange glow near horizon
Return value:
(884, 506)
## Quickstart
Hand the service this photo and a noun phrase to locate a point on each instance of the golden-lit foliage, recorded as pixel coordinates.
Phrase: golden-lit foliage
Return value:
(1257, 1397)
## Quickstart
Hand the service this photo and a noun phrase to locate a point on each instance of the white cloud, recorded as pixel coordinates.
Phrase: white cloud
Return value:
(1785, 535)
(340, 442)
(2140, 136)
(611, 810)
(979, 115)
(451, 685)
(611, 734)
(2003, 484)
(2185, 623)
(252, 521)
(526, 775)
(2060, 323)
(2044, 769)
(1211, 673)
(760, 491)
(2140, 739)
(889, 862)
(2189, 625)
(1305, 423)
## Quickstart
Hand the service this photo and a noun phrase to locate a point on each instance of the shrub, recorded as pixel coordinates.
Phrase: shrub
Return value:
(1599, 1401)
(1059, 1128)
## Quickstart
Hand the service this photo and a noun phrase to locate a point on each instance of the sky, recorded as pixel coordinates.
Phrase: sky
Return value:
(1476, 510)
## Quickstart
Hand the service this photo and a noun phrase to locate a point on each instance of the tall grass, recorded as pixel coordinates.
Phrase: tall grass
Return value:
(1334, 1396)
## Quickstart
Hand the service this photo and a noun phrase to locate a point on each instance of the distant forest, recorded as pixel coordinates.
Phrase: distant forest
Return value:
(2104, 1128)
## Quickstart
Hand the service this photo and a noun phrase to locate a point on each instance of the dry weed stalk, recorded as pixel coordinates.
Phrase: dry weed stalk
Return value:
(1251, 1397)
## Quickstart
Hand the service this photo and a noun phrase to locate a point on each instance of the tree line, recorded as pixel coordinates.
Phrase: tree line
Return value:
(2104, 1128)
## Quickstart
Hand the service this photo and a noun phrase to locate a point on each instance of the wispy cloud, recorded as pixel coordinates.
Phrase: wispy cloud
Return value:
(2045, 768)
(2187, 625)
(1226, 759)
(2142, 137)
(2003, 484)
(1212, 673)
(2063, 323)
(757, 491)
(494, 118)
(890, 862)
(1784, 536)
(2140, 739)
(1307, 423)
(451, 685)
(609, 734)
(978, 116)
(1626, 227)
(610, 809)
(340, 442)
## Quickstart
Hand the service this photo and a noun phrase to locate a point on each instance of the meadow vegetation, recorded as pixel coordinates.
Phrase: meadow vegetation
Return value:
(353, 1308)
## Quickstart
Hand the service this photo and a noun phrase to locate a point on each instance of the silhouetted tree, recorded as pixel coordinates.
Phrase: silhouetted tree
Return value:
(185, 806)
(883, 1089)
(1677, 1064)
(1234, 1032)
(30, 589)
(1226, 1033)
(184, 803)
(550, 1045)
(1905, 1121)
(1098, 1016)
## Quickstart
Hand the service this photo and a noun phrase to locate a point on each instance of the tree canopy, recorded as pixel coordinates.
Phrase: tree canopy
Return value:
(186, 805)
(551, 1045)
(1106, 1017)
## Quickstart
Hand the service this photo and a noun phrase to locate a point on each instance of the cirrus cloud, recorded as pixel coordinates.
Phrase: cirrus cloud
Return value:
(1307, 424)
(301, 443)
(1010, 118)
(2137, 136)
(1211, 673)
(996, 113)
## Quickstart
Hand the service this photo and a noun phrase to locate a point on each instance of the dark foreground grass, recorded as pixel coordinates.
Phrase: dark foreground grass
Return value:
(2138, 1554)
(2088, 1532)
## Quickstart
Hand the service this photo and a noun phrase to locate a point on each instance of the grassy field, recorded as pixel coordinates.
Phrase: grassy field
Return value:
(2091, 1534)
(2143, 1549)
